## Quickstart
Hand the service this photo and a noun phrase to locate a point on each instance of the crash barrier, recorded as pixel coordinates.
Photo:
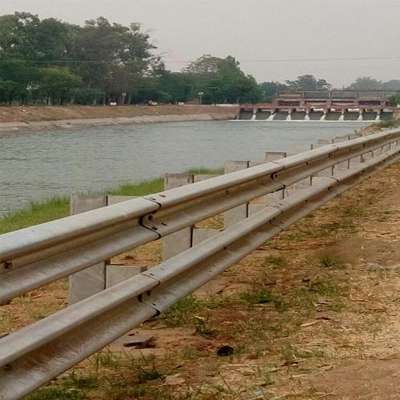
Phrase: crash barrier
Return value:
(36, 256)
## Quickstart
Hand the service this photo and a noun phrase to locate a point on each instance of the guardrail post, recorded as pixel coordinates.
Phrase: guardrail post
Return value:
(180, 241)
(92, 280)
(237, 214)
(274, 155)
(201, 234)
(116, 273)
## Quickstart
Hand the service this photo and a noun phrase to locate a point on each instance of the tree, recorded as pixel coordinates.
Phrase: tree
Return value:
(308, 83)
(205, 65)
(51, 61)
(22, 74)
(392, 85)
(221, 80)
(366, 83)
(271, 89)
(57, 84)
(112, 57)
(8, 91)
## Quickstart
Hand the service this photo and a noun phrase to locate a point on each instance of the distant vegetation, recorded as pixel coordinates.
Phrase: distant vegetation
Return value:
(311, 83)
(53, 62)
(48, 61)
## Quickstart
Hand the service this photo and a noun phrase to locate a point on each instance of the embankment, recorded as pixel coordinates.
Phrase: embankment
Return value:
(34, 117)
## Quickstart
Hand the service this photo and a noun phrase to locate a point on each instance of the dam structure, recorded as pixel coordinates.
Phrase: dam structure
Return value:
(324, 105)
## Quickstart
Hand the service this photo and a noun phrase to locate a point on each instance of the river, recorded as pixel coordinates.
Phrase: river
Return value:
(35, 166)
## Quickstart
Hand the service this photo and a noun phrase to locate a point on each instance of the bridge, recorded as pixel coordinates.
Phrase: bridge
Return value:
(270, 196)
(335, 105)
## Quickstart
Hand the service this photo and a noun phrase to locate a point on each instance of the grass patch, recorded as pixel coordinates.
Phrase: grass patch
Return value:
(306, 298)
(258, 297)
(276, 261)
(139, 189)
(205, 171)
(262, 296)
(36, 213)
(331, 261)
(58, 207)
(56, 393)
(182, 312)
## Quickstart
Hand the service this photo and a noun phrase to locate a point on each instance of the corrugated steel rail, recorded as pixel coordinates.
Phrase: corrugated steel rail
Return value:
(36, 256)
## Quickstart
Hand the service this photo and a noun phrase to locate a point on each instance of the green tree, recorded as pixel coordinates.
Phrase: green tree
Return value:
(271, 89)
(308, 83)
(222, 80)
(112, 57)
(57, 84)
(366, 83)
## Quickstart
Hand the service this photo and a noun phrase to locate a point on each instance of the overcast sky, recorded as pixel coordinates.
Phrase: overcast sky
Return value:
(274, 39)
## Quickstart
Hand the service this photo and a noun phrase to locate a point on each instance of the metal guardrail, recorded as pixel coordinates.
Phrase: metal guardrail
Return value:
(35, 256)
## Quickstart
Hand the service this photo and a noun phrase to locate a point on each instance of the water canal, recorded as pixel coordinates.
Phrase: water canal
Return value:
(35, 166)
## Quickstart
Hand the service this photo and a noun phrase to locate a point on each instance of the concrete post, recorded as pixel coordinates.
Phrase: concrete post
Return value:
(119, 273)
(237, 214)
(179, 241)
(91, 280)
(202, 234)
(274, 155)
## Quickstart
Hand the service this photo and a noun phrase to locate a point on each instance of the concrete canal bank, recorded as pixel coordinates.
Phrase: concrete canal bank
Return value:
(22, 118)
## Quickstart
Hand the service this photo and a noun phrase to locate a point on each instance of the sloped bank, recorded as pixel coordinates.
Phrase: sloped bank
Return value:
(22, 118)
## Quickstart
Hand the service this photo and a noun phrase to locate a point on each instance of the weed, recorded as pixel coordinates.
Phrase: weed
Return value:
(182, 312)
(75, 381)
(56, 393)
(305, 298)
(106, 359)
(330, 261)
(266, 375)
(149, 375)
(203, 328)
(191, 353)
(324, 288)
(6, 321)
(262, 296)
(289, 354)
(276, 261)
(259, 297)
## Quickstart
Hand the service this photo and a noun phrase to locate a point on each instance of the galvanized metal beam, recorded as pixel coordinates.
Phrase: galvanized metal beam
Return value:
(36, 256)
(36, 354)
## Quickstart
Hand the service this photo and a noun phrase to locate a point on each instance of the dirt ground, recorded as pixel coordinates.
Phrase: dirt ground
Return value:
(56, 113)
(313, 314)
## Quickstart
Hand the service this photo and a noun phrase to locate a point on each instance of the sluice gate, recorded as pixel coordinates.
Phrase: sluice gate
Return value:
(323, 106)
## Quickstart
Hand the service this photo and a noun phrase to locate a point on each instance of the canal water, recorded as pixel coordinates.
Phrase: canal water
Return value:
(35, 166)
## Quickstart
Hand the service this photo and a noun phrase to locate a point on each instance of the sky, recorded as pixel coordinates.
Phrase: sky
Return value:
(276, 40)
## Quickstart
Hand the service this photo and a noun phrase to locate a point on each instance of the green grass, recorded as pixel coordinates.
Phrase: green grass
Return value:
(182, 312)
(56, 208)
(37, 213)
(257, 297)
(205, 171)
(331, 261)
(139, 189)
(276, 261)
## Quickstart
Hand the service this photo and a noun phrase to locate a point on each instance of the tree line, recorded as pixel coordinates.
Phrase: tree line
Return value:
(311, 83)
(48, 61)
